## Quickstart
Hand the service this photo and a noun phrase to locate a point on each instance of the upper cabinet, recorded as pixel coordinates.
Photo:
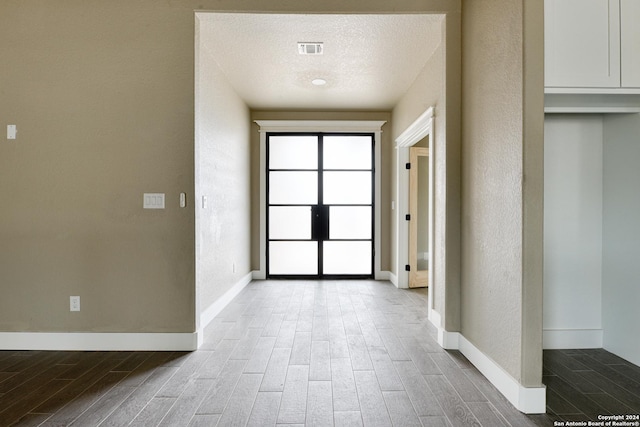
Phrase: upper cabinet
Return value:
(592, 44)
(630, 42)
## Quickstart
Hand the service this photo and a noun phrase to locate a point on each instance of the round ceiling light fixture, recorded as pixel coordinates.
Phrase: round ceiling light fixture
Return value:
(318, 82)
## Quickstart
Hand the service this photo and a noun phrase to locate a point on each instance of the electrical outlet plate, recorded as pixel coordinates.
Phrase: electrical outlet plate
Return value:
(74, 303)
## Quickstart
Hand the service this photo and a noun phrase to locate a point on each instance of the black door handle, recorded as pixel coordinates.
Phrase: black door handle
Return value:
(319, 222)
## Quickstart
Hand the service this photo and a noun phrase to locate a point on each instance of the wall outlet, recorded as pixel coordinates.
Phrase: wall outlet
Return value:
(12, 130)
(74, 303)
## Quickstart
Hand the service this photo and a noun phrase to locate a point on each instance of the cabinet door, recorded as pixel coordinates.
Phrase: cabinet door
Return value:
(630, 42)
(582, 43)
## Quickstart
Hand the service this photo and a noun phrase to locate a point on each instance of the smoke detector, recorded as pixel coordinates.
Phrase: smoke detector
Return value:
(310, 48)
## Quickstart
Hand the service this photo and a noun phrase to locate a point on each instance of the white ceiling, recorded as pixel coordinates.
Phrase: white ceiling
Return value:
(369, 61)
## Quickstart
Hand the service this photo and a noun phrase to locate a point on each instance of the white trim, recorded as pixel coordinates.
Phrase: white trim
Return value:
(98, 341)
(419, 129)
(592, 90)
(558, 339)
(383, 275)
(320, 125)
(262, 272)
(530, 400)
(592, 110)
(393, 278)
(343, 126)
(218, 305)
(435, 318)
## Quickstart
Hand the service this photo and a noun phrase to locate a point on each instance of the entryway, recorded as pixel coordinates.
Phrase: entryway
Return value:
(320, 205)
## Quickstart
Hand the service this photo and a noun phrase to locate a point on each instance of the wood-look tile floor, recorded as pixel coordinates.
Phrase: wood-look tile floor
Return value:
(347, 353)
(582, 384)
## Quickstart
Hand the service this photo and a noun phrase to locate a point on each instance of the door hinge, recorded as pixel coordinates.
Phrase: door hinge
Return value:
(408, 165)
(407, 267)
(407, 217)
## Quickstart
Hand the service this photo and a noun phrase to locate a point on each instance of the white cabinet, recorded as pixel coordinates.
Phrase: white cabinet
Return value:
(592, 44)
(630, 42)
(579, 48)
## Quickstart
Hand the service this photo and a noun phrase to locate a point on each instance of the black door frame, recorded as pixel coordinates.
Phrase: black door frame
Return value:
(320, 215)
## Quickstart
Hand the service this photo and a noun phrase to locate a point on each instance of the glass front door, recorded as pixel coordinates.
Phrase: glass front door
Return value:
(320, 206)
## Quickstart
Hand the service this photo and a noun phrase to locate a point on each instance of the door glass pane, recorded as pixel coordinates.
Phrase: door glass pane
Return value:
(290, 222)
(293, 258)
(347, 188)
(347, 257)
(347, 152)
(349, 222)
(293, 152)
(422, 219)
(293, 188)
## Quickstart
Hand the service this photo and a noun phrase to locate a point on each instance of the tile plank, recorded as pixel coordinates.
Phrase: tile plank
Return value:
(420, 394)
(276, 371)
(265, 409)
(347, 419)
(216, 400)
(301, 351)
(372, 406)
(293, 407)
(400, 409)
(345, 397)
(241, 402)
(319, 404)
(454, 408)
(320, 364)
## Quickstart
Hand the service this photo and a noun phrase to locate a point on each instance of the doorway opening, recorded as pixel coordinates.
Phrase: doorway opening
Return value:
(320, 205)
(352, 152)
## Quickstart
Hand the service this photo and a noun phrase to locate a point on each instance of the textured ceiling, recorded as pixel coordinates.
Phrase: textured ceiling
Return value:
(369, 61)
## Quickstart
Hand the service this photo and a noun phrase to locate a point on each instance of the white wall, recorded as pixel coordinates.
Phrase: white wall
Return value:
(621, 251)
(573, 231)
(222, 169)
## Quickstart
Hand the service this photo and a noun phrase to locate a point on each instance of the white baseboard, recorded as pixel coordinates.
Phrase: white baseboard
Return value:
(383, 275)
(530, 400)
(98, 341)
(214, 309)
(560, 339)
(435, 318)
(446, 340)
(393, 279)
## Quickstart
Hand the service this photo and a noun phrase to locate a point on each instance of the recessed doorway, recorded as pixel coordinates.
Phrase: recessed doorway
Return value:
(320, 205)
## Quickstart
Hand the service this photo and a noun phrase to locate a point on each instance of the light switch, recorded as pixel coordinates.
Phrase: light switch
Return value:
(153, 201)
(11, 131)
(183, 200)
(204, 202)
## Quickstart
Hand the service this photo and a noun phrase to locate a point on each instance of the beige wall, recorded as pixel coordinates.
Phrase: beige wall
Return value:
(501, 223)
(222, 166)
(102, 93)
(438, 86)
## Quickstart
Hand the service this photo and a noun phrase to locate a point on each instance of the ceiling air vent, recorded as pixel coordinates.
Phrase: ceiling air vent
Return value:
(306, 48)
